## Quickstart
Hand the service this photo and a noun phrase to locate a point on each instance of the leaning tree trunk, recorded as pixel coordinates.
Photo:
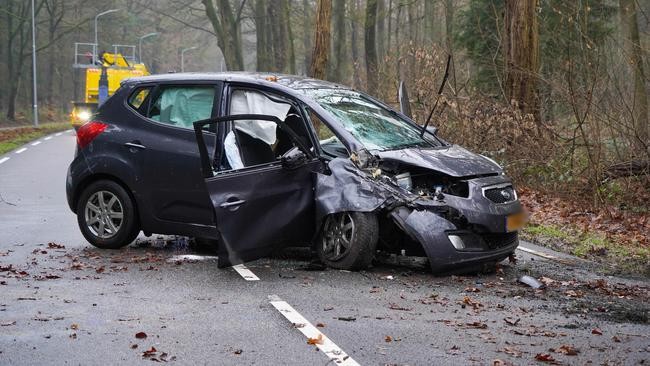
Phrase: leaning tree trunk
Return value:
(322, 30)
(631, 31)
(521, 54)
(371, 47)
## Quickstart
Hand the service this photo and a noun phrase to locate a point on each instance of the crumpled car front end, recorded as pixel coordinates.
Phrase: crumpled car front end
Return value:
(450, 205)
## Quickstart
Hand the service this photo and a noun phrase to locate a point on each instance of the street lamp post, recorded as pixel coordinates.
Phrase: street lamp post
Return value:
(96, 43)
(183, 56)
(35, 96)
(140, 44)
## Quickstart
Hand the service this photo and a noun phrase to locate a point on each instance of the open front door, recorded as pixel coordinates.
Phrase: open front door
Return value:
(260, 207)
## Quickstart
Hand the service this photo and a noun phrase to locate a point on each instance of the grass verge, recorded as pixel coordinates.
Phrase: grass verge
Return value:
(615, 256)
(15, 137)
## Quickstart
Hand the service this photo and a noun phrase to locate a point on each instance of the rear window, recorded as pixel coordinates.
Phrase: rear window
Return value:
(138, 96)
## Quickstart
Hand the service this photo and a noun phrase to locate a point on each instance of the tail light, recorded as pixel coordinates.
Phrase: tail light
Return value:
(87, 133)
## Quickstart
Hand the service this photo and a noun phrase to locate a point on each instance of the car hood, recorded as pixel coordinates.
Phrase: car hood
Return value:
(452, 160)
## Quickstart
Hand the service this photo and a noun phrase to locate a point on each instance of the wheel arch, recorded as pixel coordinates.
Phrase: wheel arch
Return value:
(103, 176)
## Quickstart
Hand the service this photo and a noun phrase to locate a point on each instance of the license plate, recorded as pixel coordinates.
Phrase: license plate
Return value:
(515, 222)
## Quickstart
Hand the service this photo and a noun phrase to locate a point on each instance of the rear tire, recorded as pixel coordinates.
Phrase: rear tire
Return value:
(348, 240)
(107, 216)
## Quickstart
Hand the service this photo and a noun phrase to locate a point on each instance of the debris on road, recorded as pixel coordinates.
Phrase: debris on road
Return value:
(532, 282)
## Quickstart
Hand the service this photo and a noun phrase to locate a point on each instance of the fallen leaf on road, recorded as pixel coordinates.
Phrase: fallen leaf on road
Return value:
(141, 335)
(477, 325)
(238, 351)
(347, 318)
(74, 326)
(150, 352)
(299, 325)
(55, 246)
(472, 289)
(567, 350)
(616, 339)
(596, 331)
(393, 306)
(544, 357)
(511, 321)
(134, 346)
(320, 325)
(315, 341)
(388, 339)
(511, 351)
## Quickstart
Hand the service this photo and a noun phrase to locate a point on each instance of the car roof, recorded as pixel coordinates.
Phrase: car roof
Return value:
(294, 82)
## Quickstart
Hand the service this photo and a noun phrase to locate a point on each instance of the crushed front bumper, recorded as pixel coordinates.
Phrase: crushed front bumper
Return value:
(435, 234)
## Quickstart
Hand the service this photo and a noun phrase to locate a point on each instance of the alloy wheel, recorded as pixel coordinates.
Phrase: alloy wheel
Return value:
(339, 230)
(104, 214)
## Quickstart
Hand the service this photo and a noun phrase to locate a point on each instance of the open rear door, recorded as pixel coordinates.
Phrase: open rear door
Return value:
(260, 207)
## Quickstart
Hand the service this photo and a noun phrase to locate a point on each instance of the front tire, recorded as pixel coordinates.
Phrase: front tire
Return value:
(107, 216)
(348, 240)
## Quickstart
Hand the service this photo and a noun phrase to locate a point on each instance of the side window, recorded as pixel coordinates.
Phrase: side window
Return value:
(257, 142)
(138, 96)
(182, 105)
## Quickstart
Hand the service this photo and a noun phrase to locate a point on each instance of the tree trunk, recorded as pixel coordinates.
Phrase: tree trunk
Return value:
(291, 62)
(371, 47)
(449, 39)
(354, 40)
(322, 30)
(226, 26)
(521, 54)
(306, 33)
(429, 19)
(381, 30)
(261, 37)
(338, 60)
(631, 30)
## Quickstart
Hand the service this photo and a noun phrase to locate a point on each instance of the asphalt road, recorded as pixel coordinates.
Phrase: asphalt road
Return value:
(64, 302)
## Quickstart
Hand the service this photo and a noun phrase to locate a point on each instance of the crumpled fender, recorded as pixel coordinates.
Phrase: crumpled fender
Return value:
(347, 188)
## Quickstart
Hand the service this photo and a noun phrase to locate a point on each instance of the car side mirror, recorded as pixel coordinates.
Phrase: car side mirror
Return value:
(432, 130)
(294, 158)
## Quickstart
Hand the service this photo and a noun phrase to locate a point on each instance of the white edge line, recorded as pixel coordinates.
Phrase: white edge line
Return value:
(3, 160)
(328, 347)
(36, 143)
(246, 273)
(21, 150)
(58, 134)
(537, 253)
(47, 138)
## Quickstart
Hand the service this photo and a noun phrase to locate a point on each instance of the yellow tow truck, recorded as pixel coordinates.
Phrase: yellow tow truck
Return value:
(115, 67)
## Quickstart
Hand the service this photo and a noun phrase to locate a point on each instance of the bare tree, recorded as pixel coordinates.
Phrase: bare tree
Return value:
(225, 22)
(322, 31)
(631, 30)
(339, 61)
(521, 53)
(371, 46)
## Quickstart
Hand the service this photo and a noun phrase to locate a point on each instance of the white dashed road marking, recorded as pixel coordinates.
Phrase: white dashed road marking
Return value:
(21, 150)
(191, 257)
(312, 333)
(36, 143)
(245, 272)
(3, 160)
(47, 138)
(58, 134)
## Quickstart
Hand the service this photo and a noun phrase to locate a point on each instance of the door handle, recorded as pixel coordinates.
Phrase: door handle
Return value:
(232, 203)
(135, 144)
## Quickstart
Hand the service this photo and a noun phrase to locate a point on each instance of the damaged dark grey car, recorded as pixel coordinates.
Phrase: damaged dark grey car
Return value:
(287, 160)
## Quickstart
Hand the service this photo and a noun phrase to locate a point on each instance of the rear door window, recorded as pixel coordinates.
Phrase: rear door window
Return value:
(180, 106)
(138, 97)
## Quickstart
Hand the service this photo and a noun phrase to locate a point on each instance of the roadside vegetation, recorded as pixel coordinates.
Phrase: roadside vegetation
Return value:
(12, 138)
